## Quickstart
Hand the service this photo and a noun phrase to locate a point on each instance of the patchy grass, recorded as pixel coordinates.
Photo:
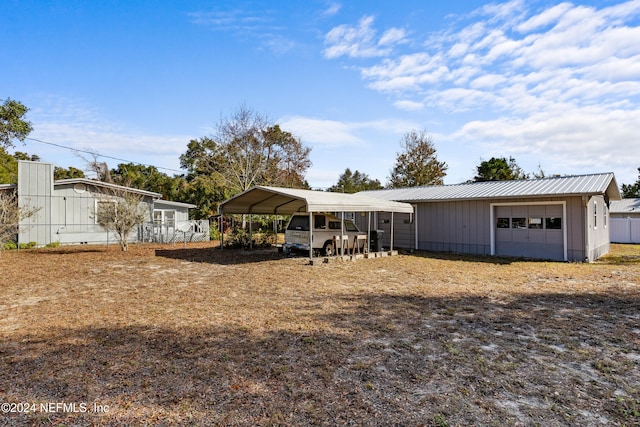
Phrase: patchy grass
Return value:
(622, 254)
(196, 336)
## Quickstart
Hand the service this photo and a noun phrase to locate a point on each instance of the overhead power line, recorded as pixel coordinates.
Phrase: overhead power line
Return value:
(93, 153)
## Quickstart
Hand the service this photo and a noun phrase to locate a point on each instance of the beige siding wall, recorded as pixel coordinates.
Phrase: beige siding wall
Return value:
(464, 226)
(598, 214)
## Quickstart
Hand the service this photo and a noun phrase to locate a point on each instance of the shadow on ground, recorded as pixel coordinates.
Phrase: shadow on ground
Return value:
(215, 255)
(554, 359)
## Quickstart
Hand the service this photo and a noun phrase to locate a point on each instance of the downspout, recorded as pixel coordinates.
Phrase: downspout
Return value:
(415, 225)
(391, 242)
(369, 232)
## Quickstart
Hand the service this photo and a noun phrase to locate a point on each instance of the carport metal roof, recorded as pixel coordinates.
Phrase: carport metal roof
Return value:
(286, 201)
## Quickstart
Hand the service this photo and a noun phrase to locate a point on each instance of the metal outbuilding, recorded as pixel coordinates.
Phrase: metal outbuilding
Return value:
(265, 200)
(563, 218)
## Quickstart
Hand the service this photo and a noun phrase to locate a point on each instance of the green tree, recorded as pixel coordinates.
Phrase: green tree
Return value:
(70, 172)
(499, 169)
(9, 165)
(147, 178)
(417, 164)
(631, 191)
(12, 123)
(204, 191)
(352, 182)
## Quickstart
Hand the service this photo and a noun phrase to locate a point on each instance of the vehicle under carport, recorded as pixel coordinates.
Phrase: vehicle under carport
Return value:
(263, 200)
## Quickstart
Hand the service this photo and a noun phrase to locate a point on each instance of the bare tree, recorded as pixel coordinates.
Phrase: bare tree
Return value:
(246, 151)
(120, 212)
(11, 214)
(94, 165)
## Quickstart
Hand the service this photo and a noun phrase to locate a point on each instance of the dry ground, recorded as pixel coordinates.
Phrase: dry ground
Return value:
(163, 335)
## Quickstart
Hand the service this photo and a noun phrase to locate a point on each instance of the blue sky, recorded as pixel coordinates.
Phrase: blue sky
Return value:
(548, 83)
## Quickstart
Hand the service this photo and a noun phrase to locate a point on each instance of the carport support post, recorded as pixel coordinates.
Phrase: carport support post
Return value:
(342, 234)
(311, 237)
(250, 233)
(221, 228)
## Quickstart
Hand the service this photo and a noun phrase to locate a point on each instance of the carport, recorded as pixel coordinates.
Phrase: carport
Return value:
(262, 200)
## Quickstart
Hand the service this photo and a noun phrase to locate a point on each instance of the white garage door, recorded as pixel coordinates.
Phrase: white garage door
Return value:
(532, 231)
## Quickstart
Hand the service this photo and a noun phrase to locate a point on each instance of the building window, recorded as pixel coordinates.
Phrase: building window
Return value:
(520, 223)
(164, 217)
(604, 214)
(595, 214)
(553, 223)
(535, 223)
(503, 223)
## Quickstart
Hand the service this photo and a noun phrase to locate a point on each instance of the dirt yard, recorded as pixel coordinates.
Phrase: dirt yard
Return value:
(163, 335)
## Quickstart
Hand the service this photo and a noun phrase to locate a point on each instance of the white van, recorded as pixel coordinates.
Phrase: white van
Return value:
(325, 227)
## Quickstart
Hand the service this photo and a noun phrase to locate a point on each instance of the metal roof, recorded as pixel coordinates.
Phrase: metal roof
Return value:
(96, 183)
(603, 183)
(286, 201)
(625, 206)
(176, 204)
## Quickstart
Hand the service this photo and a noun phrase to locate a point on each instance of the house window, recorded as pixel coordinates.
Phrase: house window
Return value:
(595, 214)
(553, 223)
(519, 223)
(604, 214)
(535, 223)
(170, 218)
(164, 217)
(503, 223)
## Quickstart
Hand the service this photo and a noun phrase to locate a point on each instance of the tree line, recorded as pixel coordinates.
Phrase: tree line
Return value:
(247, 149)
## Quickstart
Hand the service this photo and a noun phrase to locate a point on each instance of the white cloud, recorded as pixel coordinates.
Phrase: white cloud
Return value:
(72, 124)
(579, 139)
(320, 131)
(408, 105)
(561, 82)
(333, 9)
(547, 17)
(360, 41)
(392, 36)
(334, 133)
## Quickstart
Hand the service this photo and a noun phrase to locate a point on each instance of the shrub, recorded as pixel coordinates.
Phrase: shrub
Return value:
(214, 233)
(10, 245)
(29, 245)
(239, 239)
(52, 245)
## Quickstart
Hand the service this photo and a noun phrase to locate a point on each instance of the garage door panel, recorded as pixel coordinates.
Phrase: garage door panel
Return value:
(535, 239)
